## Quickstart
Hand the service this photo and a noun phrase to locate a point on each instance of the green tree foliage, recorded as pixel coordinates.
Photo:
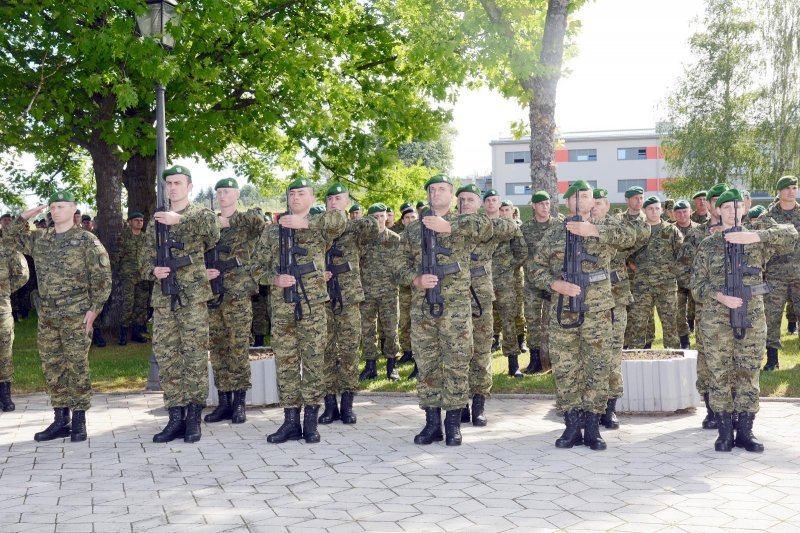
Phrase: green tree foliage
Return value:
(436, 154)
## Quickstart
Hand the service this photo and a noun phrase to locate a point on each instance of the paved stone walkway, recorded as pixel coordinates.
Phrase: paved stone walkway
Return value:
(659, 473)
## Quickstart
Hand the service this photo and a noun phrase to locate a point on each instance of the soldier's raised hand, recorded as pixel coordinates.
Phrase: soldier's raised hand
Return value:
(437, 224)
(169, 218)
(30, 213)
(742, 237)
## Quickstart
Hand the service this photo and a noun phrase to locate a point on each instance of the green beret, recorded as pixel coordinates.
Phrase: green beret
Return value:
(633, 191)
(438, 178)
(377, 208)
(600, 193)
(490, 192)
(227, 183)
(354, 208)
(135, 214)
(699, 194)
(756, 211)
(470, 187)
(6, 215)
(61, 196)
(177, 169)
(716, 190)
(731, 195)
(651, 200)
(681, 204)
(579, 185)
(336, 188)
(316, 209)
(406, 207)
(299, 183)
(389, 209)
(786, 181)
(506, 203)
(539, 196)
(420, 204)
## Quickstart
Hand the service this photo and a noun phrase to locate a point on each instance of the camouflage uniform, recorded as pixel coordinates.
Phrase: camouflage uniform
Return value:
(135, 291)
(13, 275)
(627, 217)
(700, 219)
(260, 309)
(380, 296)
(180, 336)
(507, 259)
(782, 275)
(685, 301)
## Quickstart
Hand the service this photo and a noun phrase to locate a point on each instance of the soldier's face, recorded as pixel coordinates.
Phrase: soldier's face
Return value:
(136, 223)
(581, 203)
(788, 194)
(542, 210)
(338, 201)
(62, 212)
(76, 218)
(700, 205)
(355, 215)
(178, 187)
(441, 196)
(381, 218)
(730, 211)
(227, 197)
(469, 203)
(389, 218)
(300, 200)
(409, 217)
(86, 224)
(600, 208)
(712, 209)
(635, 203)
(492, 205)
(682, 216)
(507, 211)
(5, 221)
(653, 213)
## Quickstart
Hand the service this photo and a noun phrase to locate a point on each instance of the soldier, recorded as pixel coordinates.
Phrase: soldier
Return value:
(14, 274)
(507, 257)
(86, 223)
(299, 328)
(782, 274)
(734, 362)
(408, 215)
(76, 217)
(581, 353)
(441, 336)
(344, 312)
(5, 221)
(684, 224)
(420, 208)
(135, 291)
(230, 312)
(355, 212)
(260, 303)
(180, 324)
(655, 283)
(537, 300)
(507, 211)
(389, 217)
(398, 225)
(74, 275)
(380, 299)
(669, 207)
(700, 214)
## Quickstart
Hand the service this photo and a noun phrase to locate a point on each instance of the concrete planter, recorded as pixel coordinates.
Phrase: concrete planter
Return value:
(263, 377)
(659, 380)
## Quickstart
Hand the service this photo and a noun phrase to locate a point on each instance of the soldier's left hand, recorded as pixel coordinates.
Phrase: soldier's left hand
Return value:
(293, 222)
(742, 237)
(583, 229)
(328, 275)
(170, 218)
(437, 224)
(88, 320)
(731, 302)
(212, 273)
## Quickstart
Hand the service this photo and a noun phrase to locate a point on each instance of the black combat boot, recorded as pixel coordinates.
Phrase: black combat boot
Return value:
(391, 369)
(572, 435)
(591, 435)
(239, 414)
(58, 429)
(259, 341)
(370, 371)
(685, 344)
(97, 338)
(175, 428)
(513, 366)
(465, 414)
(331, 411)
(609, 418)
(347, 414)
(724, 442)
(310, 433)
(710, 421)
(452, 427)
(290, 429)
(772, 360)
(690, 321)
(78, 432)
(414, 373)
(193, 412)
(496, 343)
(432, 432)
(521, 343)
(123, 336)
(792, 328)
(478, 416)
(223, 410)
(405, 358)
(535, 364)
(744, 434)
(6, 404)
(136, 334)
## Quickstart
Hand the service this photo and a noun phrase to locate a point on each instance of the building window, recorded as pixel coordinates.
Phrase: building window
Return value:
(592, 183)
(629, 154)
(589, 154)
(518, 188)
(624, 185)
(513, 158)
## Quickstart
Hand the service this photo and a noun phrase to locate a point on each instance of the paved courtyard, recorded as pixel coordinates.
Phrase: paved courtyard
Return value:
(659, 473)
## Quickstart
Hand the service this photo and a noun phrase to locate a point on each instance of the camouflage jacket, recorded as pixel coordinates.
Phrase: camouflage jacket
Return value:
(656, 261)
(398, 226)
(322, 230)
(129, 246)
(376, 277)
(533, 232)
(241, 238)
(620, 282)
(508, 256)
(687, 252)
(198, 230)
(700, 219)
(72, 268)
(481, 258)
(685, 231)
(13, 275)
(351, 243)
(784, 265)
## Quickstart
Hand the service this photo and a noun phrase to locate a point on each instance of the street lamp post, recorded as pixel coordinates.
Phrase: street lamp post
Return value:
(153, 24)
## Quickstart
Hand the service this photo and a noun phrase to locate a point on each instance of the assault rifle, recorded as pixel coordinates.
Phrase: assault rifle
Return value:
(430, 265)
(474, 272)
(572, 272)
(212, 260)
(334, 288)
(165, 243)
(288, 265)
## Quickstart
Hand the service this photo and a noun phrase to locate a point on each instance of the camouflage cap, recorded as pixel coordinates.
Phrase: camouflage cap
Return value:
(470, 187)
(227, 183)
(633, 191)
(299, 183)
(438, 178)
(731, 195)
(376, 208)
(786, 181)
(600, 193)
(61, 196)
(681, 204)
(699, 194)
(651, 200)
(354, 208)
(336, 188)
(316, 209)
(406, 207)
(490, 192)
(176, 169)
(135, 214)
(539, 196)
(716, 190)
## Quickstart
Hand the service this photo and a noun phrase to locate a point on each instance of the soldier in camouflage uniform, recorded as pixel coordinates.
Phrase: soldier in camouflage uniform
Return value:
(135, 291)
(685, 225)
(782, 274)
(344, 311)
(74, 275)
(700, 213)
(13, 275)
(442, 344)
(655, 283)
(634, 197)
(299, 330)
(508, 211)
(734, 363)
(408, 214)
(355, 212)
(537, 304)
(180, 324)
(508, 256)
(581, 354)
(230, 312)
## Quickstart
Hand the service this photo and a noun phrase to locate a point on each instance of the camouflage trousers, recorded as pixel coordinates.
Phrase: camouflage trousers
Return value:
(702, 363)
(260, 307)
(6, 341)
(180, 344)
(299, 352)
(791, 316)
(135, 299)
(64, 349)
(537, 311)
(734, 365)
(505, 305)
(229, 338)
(480, 365)
(780, 291)
(684, 297)
(404, 319)
(442, 350)
(646, 296)
(580, 358)
(615, 385)
(497, 322)
(519, 289)
(381, 309)
(341, 349)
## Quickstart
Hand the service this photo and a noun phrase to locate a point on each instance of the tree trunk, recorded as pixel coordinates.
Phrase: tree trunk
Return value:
(138, 178)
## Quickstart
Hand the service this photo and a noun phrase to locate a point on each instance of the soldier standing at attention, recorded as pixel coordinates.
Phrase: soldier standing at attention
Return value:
(74, 276)
(355, 212)
(135, 291)
(507, 211)
(734, 363)
(397, 226)
(180, 325)
(783, 273)
(230, 313)
(390, 218)
(408, 215)
(634, 198)
(700, 214)
(581, 354)
(441, 337)
(299, 330)
(14, 274)
(684, 224)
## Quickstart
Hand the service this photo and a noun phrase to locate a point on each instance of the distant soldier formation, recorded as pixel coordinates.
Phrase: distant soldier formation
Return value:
(442, 285)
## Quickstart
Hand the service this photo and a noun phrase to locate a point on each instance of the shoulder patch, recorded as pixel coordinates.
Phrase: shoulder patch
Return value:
(97, 242)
